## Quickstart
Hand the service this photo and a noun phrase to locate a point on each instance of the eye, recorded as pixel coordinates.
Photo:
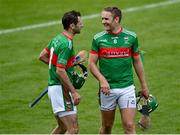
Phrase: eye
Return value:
(104, 18)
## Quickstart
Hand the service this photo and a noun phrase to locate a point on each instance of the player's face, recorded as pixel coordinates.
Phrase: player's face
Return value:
(78, 26)
(108, 21)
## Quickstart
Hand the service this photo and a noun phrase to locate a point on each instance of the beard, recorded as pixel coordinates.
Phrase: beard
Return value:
(76, 32)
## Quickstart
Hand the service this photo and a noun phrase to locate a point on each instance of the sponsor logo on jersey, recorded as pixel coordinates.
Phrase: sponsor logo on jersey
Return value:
(114, 52)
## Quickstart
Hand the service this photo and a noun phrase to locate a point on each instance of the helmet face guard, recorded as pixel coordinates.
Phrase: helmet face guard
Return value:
(78, 79)
(146, 106)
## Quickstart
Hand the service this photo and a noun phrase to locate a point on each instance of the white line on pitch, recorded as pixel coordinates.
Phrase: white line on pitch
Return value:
(132, 9)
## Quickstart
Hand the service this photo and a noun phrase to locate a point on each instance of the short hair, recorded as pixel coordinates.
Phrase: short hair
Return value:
(115, 11)
(70, 18)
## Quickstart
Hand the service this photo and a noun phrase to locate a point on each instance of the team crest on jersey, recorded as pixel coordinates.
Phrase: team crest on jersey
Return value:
(126, 40)
(115, 40)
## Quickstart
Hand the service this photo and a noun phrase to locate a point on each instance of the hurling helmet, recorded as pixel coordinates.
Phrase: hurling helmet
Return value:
(78, 79)
(146, 106)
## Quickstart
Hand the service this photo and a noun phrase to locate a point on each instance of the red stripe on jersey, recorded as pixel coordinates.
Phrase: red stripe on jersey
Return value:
(114, 52)
(61, 65)
(47, 50)
(71, 61)
(135, 54)
(54, 59)
(93, 52)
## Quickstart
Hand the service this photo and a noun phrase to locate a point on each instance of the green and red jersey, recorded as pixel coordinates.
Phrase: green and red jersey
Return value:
(115, 53)
(61, 54)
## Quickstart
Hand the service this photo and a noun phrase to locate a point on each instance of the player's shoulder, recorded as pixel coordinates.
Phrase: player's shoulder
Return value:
(129, 33)
(100, 34)
(61, 40)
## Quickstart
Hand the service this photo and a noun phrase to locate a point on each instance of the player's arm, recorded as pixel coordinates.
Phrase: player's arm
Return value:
(93, 58)
(44, 56)
(138, 66)
(63, 77)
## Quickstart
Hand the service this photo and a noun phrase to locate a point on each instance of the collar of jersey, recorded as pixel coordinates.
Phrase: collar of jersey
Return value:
(118, 32)
(67, 36)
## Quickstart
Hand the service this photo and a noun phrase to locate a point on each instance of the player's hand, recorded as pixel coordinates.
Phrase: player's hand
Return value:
(76, 97)
(105, 88)
(145, 93)
(81, 57)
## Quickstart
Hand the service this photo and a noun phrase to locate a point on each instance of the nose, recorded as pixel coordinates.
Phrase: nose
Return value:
(103, 21)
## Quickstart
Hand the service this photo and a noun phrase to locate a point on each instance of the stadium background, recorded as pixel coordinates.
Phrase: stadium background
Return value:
(23, 77)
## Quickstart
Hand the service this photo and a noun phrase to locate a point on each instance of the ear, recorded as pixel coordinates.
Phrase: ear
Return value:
(72, 26)
(117, 19)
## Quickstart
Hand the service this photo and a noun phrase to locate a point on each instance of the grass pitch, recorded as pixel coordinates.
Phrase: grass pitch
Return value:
(23, 77)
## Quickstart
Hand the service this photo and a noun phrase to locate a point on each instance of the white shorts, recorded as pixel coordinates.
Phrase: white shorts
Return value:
(123, 97)
(61, 101)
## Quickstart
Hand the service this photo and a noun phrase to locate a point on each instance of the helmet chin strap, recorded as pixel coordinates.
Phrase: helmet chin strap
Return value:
(84, 70)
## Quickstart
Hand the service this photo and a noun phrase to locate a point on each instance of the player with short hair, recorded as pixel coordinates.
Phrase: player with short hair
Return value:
(60, 57)
(117, 50)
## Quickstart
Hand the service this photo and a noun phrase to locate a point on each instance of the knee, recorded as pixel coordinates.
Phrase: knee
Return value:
(106, 129)
(74, 130)
(62, 130)
(129, 128)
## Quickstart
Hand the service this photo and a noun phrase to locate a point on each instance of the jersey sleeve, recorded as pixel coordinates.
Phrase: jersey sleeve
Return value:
(135, 47)
(48, 48)
(94, 47)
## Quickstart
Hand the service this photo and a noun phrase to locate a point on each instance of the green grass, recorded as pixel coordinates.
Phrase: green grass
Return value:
(23, 77)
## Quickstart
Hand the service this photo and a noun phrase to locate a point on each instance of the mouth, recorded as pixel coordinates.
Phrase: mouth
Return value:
(105, 24)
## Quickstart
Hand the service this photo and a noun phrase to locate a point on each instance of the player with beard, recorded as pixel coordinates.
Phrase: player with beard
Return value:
(60, 57)
(117, 51)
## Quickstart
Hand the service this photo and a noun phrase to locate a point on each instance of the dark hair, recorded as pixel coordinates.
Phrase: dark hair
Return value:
(69, 18)
(115, 11)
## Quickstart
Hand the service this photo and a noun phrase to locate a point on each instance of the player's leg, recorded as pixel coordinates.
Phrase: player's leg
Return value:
(64, 109)
(107, 121)
(60, 128)
(128, 116)
(71, 123)
(127, 105)
(108, 106)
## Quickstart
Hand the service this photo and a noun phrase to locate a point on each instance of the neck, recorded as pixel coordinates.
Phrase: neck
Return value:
(116, 30)
(68, 34)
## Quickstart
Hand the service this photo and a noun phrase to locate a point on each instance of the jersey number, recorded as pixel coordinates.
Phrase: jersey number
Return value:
(51, 55)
